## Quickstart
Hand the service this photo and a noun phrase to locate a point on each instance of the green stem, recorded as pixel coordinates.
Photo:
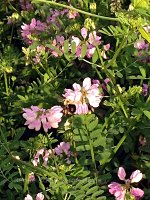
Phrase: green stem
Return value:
(75, 9)
(6, 83)
(92, 155)
(12, 30)
(117, 51)
(5, 142)
(49, 143)
(31, 167)
(121, 141)
(109, 74)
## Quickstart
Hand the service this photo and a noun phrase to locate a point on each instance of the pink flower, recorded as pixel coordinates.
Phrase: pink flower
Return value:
(136, 176)
(119, 191)
(76, 40)
(34, 28)
(142, 140)
(54, 116)
(26, 5)
(72, 14)
(94, 39)
(82, 96)
(33, 117)
(90, 50)
(48, 118)
(138, 193)
(31, 177)
(39, 196)
(140, 44)
(84, 32)
(46, 156)
(28, 197)
(121, 173)
(36, 159)
(63, 147)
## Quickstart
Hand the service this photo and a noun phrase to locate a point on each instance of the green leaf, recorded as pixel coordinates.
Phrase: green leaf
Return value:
(66, 46)
(143, 71)
(83, 51)
(101, 141)
(73, 47)
(119, 74)
(95, 57)
(141, 3)
(93, 124)
(3, 182)
(97, 193)
(83, 148)
(95, 134)
(88, 185)
(79, 197)
(147, 113)
(92, 190)
(54, 49)
(82, 182)
(144, 34)
(79, 138)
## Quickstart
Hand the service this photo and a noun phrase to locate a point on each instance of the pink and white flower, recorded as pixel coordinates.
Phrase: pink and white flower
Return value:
(120, 190)
(63, 147)
(36, 117)
(39, 196)
(28, 197)
(82, 96)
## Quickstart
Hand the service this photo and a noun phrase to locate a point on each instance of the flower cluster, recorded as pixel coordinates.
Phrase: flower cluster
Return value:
(121, 190)
(91, 40)
(44, 153)
(145, 90)
(36, 117)
(143, 50)
(26, 5)
(83, 96)
(39, 196)
(30, 31)
(62, 148)
(40, 50)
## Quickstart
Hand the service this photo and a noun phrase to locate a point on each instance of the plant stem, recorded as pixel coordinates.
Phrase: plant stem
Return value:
(75, 9)
(92, 154)
(117, 51)
(6, 83)
(49, 143)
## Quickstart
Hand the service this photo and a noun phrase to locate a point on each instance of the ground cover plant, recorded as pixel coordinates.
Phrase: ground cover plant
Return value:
(74, 100)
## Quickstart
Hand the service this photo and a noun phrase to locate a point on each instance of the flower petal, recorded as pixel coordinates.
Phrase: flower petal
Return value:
(121, 173)
(136, 176)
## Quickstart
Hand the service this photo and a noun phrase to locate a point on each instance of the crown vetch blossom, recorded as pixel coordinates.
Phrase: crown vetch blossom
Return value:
(120, 190)
(31, 177)
(140, 44)
(34, 28)
(26, 5)
(44, 154)
(39, 196)
(63, 147)
(28, 197)
(36, 117)
(82, 96)
(145, 90)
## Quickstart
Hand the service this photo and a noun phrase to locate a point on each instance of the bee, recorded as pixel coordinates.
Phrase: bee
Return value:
(69, 109)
